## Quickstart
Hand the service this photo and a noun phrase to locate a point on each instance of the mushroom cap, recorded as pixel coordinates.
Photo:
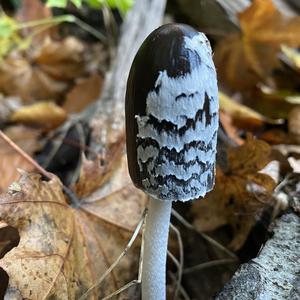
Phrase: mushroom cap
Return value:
(172, 114)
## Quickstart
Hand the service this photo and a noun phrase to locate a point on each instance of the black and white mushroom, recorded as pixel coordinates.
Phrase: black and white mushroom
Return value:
(171, 127)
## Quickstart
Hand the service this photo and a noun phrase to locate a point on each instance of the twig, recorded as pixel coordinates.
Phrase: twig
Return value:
(122, 289)
(209, 264)
(173, 258)
(73, 199)
(25, 155)
(181, 289)
(115, 263)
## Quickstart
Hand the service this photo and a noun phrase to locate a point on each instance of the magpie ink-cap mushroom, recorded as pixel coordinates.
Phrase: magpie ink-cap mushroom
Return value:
(171, 129)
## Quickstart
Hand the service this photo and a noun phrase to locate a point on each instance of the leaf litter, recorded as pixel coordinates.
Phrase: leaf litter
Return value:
(54, 77)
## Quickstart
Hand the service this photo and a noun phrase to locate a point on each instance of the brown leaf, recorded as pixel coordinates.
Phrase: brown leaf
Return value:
(43, 74)
(85, 92)
(295, 164)
(32, 10)
(61, 59)
(234, 200)
(291, 56)
(249, 57)
(230, 129)
(10, 161)
(95, 173)
(294, 124)
(63, 250)
(45, 114)
(242, 115)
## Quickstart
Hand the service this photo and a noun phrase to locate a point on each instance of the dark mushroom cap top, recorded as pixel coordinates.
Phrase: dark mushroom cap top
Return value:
(172, 114)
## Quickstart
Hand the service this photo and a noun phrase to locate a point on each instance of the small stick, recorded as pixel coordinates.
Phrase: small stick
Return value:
(209, 264)
(27, 157)
(122, 289)
(181, 289)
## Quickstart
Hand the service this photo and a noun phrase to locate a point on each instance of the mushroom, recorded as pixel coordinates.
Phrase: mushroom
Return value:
(171, 128)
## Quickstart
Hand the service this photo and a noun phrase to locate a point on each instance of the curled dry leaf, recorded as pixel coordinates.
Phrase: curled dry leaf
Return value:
(230, 129)
(45, 73)
(62, 249)
(294, 124)
(44, 114)
(291, 56)
(27, 139)
(61, 59)
(248, 57)
(295, 164)
(233, 201)
(243, 115)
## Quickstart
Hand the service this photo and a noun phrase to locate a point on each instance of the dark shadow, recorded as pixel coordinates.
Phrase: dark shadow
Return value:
(3, 283)
(9, 238)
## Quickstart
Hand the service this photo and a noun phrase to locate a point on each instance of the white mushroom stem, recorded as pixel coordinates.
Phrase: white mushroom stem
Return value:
(155, 250)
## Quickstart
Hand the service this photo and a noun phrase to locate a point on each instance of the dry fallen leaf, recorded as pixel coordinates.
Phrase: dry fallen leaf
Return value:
(248, 57)
(33, 10)
(234, 200)
(291, 56)
(43, 73)
(95, 173)
(83, 94)
(243, 115)
(64, 249)
(294, 124)
(295, 164)
(229, 128)
(27, 139)
(62, 60)
(44, 114)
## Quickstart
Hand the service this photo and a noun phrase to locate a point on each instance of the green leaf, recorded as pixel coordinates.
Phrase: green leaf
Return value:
(95, 3)
(122, 5)
(7, 26)
(77, 3)
(57, 3)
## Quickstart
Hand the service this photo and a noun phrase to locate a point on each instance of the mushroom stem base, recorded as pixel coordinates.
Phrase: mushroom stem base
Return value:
(155, 250)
